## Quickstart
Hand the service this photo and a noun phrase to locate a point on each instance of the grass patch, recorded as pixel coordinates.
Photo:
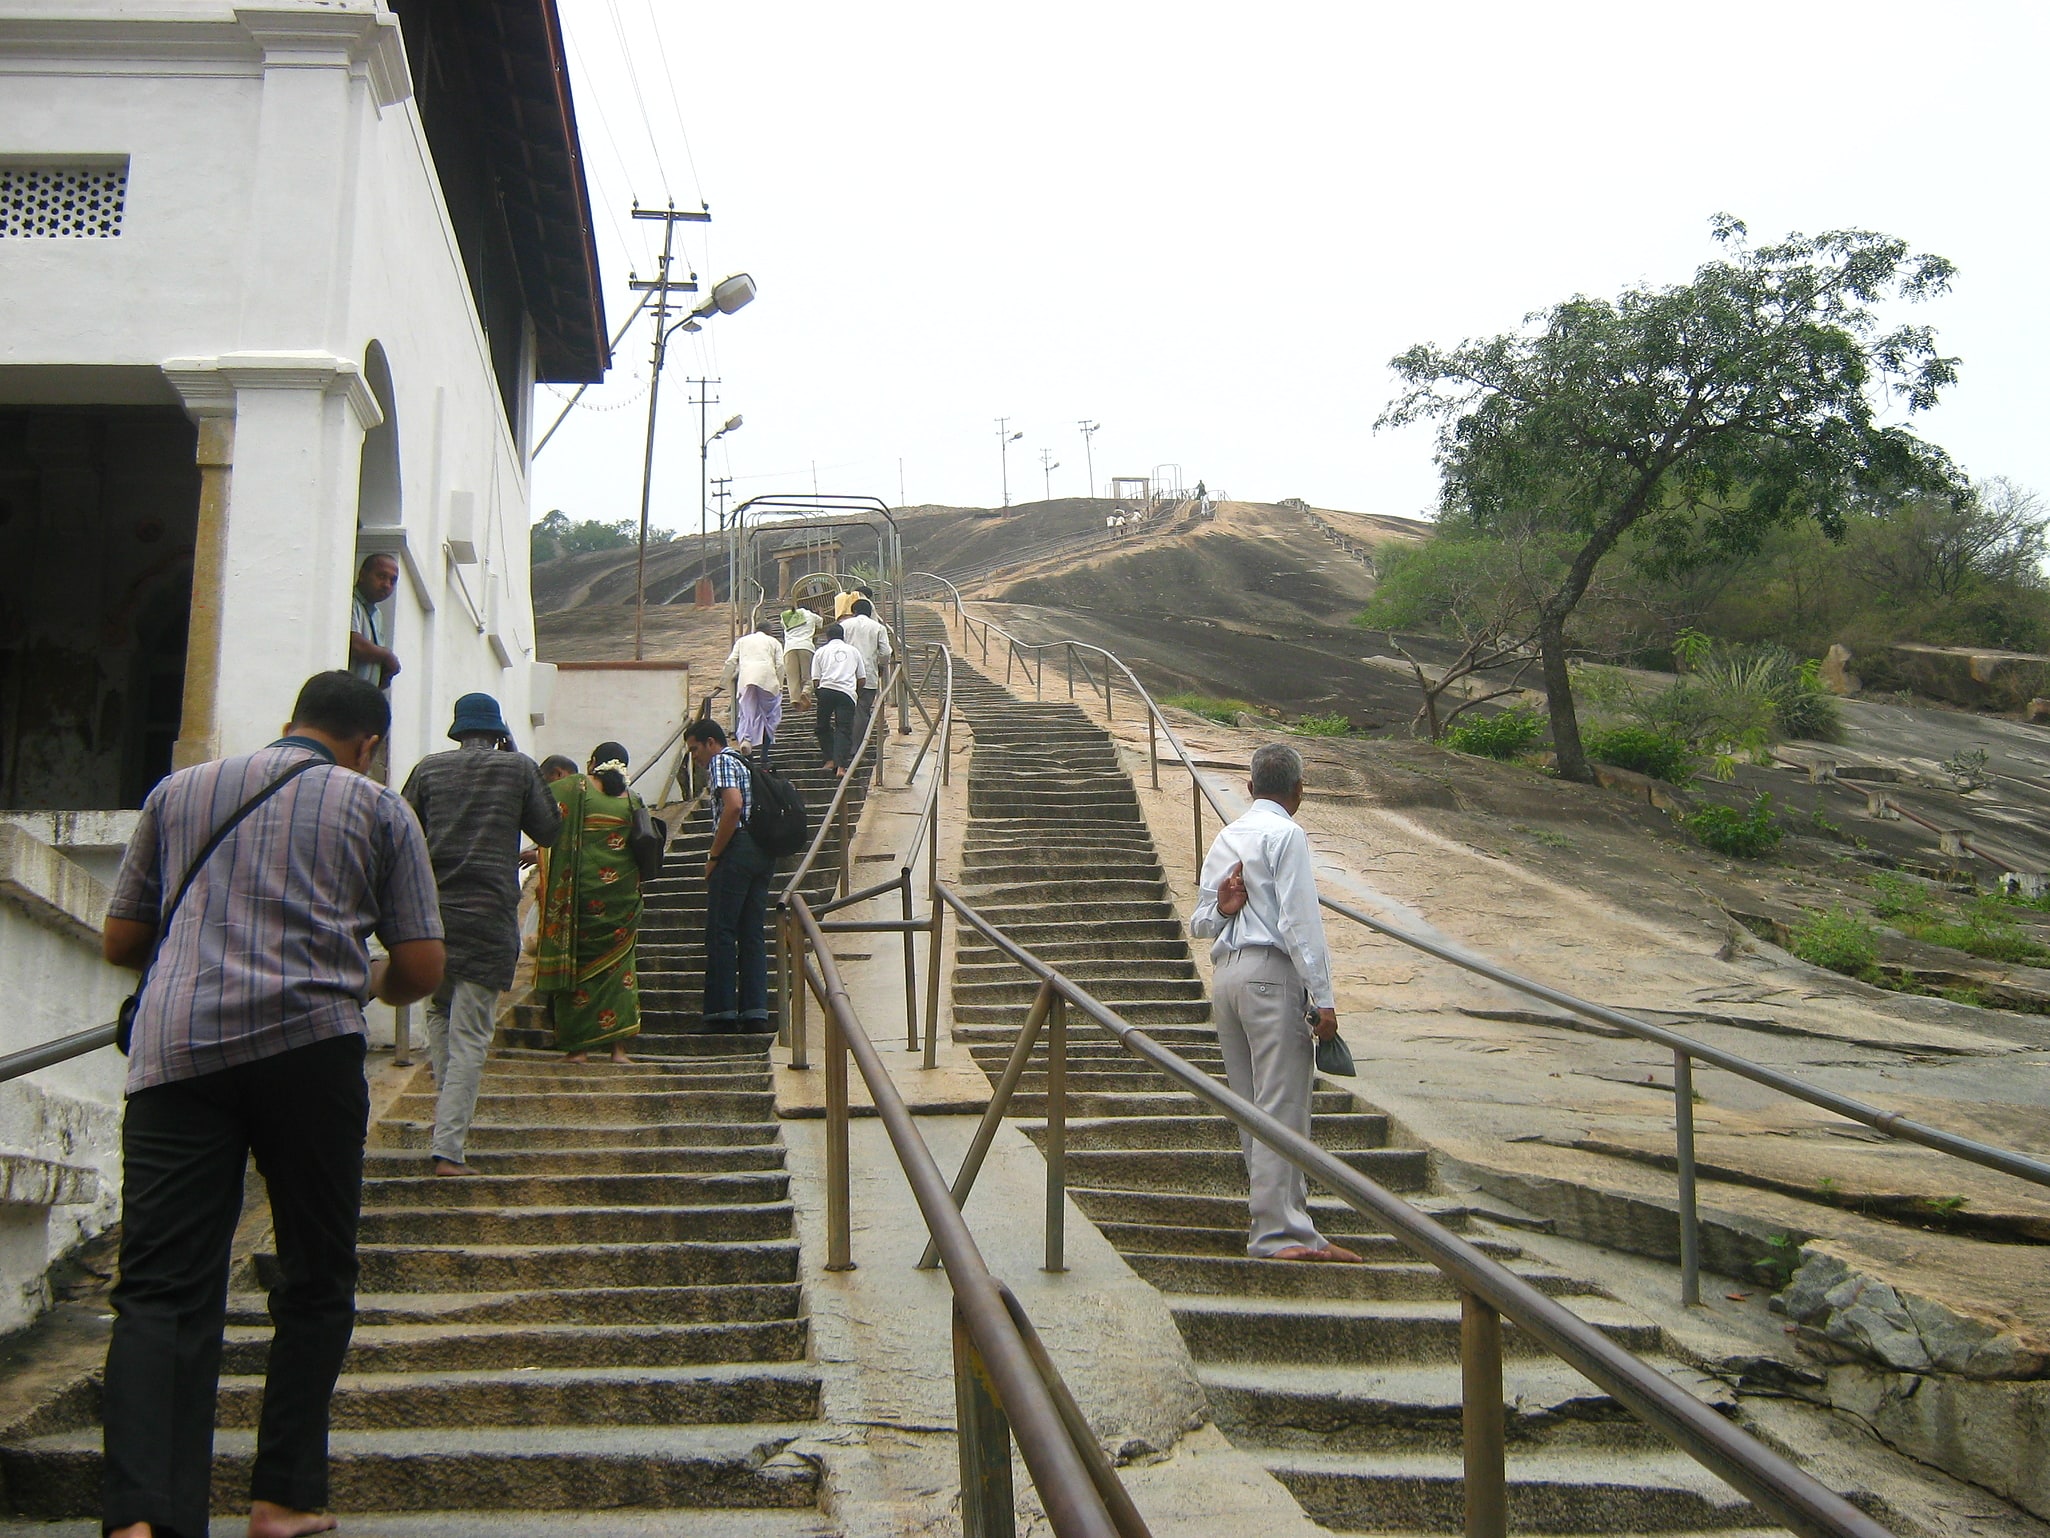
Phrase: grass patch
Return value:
(1332, 725)
(1661, 755)
(1210, 707)
(1502, 736)
(1839, 940)
(1746, 835)
(1982, 926)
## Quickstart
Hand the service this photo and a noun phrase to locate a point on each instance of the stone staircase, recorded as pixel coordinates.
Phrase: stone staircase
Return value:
(1343, 1380)
(608, 1318)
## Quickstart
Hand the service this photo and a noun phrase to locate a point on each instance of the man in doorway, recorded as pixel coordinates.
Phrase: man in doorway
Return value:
(249, 1039)
(370, 655)
(871, 643)
(1271, 979)
(474, 803)
(737, 873)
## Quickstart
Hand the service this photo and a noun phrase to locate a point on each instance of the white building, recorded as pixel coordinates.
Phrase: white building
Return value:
(276, 284)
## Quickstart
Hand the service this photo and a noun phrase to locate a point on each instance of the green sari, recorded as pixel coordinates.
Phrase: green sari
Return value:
(590, 916)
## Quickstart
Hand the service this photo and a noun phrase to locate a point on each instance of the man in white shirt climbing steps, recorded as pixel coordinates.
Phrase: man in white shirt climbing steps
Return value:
(1259, 903)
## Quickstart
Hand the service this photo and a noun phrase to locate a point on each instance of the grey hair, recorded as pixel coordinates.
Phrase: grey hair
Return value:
(1277, 771)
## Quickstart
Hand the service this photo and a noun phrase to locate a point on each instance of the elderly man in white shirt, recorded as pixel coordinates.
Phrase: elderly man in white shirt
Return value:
(871, 642)
(754, 671)
(1271, 971)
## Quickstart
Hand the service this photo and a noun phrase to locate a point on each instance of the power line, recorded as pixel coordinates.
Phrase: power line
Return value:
(676, 110)
(633, 76)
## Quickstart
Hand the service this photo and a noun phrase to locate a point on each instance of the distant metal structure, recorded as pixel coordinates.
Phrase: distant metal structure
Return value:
(1167, 484)
(1133, 494)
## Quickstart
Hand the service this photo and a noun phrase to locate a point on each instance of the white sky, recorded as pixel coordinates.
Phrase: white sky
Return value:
(1209, 226)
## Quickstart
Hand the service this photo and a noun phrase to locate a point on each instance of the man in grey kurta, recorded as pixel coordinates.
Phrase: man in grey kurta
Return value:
(474, 804)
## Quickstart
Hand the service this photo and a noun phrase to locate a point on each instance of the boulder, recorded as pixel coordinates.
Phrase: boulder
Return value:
(1837, 676)
(2038, 710)
(1871, 1319)
(1981, 679)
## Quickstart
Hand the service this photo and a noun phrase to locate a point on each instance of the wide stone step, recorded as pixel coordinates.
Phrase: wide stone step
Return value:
(501, 1268)
(616, 1106)
(1338, 1407)
(1114, 991)
(1087, 970)
(622, 1190)
(1086, 1105)
(727, 1304)
(1333, 1330)
(578, 1225)
(427, 1348)
(1360, 1130)
(1167, 1239)
(1071, 888)
(1550, 1492)
(1383, 1279)
(1131, 1011)
(585, 1161)
(528, 1137)
(1177, 1038)
(1202, 1211)
(581, 1468)
(506, 1077)
(1154, 945)
(1102, 1077)
(729, 1394)
(994, 868)
(1220, 1172)
(703, 1044)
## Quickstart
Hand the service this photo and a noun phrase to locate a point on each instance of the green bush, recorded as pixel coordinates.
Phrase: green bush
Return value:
(1498, 736)
(1747, 835)
(1208, 706)
(1658, 754)
(1839, 940)
(1336, 724)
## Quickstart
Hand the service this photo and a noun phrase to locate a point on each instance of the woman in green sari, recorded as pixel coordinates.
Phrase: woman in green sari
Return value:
(591, 913)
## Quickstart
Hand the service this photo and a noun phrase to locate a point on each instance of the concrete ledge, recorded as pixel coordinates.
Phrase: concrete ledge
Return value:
(26, 1181)
(50, 887)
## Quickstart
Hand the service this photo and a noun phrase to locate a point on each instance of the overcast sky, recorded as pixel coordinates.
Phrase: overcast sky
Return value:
(1208, 227)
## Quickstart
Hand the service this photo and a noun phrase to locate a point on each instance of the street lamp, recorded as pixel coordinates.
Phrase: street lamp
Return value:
(1005, 438)
(705, 442)
(728, 295)
(1047, 465)
(1089, 430)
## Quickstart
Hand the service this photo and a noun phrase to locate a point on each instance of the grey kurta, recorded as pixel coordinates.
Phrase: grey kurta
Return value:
(474, 804)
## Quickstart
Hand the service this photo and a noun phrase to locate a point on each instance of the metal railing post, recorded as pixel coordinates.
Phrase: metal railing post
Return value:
(839, 1196)
(1480, 1366)
(800, 1049)
(402, 1036)
(988, 1507)
(1196, 808)
(846, 843)
(1057, 1135)
(1039, 676)
(910, 964)
(1153, 749)
(783, 975)
(934, 938)
(1683, 1150)
(1070, 649)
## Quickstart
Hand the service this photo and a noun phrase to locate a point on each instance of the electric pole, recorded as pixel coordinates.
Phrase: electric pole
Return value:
(661, 286)
(1088, 451)
(1047, 465)
(704, 400)
(1005, 438)
(720, 494)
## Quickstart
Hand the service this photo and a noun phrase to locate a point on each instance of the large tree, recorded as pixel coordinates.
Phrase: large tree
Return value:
(1700, 416)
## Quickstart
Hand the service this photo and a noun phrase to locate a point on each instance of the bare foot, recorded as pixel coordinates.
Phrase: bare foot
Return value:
(578, 1057)
(134, 1530)
(267, 1519)
(452, 1167)
(1332, 1253)
(619, 1056)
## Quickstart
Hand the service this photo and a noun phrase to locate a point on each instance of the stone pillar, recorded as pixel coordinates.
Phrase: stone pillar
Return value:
(198, 726)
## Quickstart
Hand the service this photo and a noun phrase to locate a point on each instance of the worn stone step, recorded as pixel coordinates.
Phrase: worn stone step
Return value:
(498, 1268)
(1133, 1012)
(580, 1468)
(472, 1347)
(1220, 1172)
(564, 1190)
(1341, 1407)
(528, 1137)
(1384, 1278)
(1087, 970)
(1154, 945)
(1113, 991)
(730, 1303)
(1359, 1130)
(642, 1522)
(1177, 1038)
(603, 1107)
(578, 1225)
(1198, 1210)
(1330, 1329)
(1086, 1105)
(719, 1393)
(699, 1044)
(1554, 1491)
(1075, 887)
(1132, 1239)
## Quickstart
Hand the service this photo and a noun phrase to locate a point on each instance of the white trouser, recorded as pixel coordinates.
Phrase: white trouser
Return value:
(460, 1019)
(1270, 1058)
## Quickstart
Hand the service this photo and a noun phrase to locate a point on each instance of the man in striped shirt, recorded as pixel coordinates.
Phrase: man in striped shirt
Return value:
(249, 1039)
(736, 890)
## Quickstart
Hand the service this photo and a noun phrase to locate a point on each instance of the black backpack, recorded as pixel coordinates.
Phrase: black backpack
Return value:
(779, 821)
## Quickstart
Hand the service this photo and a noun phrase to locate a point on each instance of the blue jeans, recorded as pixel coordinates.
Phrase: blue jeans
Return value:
(736, 956)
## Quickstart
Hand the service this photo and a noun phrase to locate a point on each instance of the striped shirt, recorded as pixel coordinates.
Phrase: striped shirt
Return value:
(267, 951)
(728, 771)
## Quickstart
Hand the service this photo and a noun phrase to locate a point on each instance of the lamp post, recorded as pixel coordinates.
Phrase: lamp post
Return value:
(728, 295)
(1005, 438)
(1088, 450)
(1047, 465)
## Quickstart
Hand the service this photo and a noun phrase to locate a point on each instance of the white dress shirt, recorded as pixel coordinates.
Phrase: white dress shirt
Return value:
(756, 659)
(836, 665)
(871, 642)
(800, 629)
(1281, 896)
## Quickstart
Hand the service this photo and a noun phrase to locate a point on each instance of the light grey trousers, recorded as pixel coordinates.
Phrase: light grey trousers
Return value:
(1270, 1056)
(460, 1019)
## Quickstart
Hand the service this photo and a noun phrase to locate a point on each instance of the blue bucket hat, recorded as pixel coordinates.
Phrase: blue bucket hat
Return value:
(478, 713)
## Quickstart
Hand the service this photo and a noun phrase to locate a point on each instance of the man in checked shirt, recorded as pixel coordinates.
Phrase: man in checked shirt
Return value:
(249, 1039)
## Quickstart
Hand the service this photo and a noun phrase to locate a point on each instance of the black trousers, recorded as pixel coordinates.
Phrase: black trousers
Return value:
(835, 727)
(184, 1145)
(736, 952)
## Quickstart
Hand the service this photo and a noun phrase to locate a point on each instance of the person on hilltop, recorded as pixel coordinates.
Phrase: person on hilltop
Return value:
(1270, 990)
(591, 913)
(474, 803)
(754, 672)
(247, 897)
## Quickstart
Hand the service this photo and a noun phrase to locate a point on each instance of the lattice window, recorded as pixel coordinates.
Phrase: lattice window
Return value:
(62, 202)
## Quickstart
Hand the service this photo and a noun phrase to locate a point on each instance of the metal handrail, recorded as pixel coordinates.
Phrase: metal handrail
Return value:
(1014, 1382)
(1489, 1291)
(63, 1049)
(1685, 1049)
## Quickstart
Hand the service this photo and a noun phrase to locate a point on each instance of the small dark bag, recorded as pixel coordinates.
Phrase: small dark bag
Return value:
(124, 1031)
(1335, 1057)
(648, 842)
